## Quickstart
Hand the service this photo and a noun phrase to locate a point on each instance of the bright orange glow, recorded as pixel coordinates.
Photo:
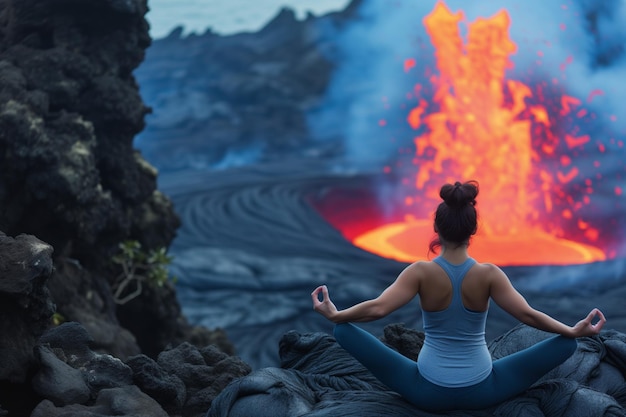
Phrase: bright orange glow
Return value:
(479, 126)
(408, 242)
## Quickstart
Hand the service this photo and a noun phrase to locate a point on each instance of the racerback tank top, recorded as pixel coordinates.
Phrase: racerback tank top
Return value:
(455, 352)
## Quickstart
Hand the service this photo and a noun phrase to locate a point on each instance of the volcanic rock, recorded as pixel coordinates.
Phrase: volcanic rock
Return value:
(168, 389)
(205, 373)
(69, 111)
(186, 379)
(319, 378)
(70, 372)
(85, 296)
(68, 171)
(58, 381)
(124, 401)
(72, 379)
(25, 308)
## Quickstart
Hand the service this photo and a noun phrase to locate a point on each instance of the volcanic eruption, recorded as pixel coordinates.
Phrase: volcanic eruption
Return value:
(522, 140)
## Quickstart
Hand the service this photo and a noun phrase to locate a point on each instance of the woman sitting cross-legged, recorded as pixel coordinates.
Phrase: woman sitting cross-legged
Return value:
(454, 369)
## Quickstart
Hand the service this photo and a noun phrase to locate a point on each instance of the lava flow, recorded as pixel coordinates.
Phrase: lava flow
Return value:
(471, 122)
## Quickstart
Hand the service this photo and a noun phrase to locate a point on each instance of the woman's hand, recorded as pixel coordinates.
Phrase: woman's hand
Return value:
(325, 307)
(586, 327)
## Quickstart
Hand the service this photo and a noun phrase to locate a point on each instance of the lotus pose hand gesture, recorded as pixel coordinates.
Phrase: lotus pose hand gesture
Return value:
(586, 327)
(325, 307)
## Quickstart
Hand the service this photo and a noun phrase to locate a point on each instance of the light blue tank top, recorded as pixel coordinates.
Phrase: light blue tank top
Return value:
(455, 352)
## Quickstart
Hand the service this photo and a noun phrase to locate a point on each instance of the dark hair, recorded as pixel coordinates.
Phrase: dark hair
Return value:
(456, 219)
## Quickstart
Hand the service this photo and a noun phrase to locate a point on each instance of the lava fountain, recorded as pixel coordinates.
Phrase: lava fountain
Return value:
(471, 122)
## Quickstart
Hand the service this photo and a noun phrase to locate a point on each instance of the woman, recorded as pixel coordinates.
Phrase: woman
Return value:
(454, 369)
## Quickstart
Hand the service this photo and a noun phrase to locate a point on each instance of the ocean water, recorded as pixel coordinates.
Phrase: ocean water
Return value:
(227, 16)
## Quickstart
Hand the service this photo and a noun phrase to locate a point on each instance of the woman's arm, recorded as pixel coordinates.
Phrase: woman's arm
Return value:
(403, 289)
(511, 301)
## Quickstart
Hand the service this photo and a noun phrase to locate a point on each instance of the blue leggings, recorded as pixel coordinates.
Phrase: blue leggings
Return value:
(511, 375)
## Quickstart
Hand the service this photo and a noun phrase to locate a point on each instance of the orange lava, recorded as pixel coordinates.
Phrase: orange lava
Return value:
(408, 242)
(479, 125)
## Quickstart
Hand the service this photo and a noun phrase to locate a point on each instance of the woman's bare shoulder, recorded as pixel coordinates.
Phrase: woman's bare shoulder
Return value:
(488, 269)
(415, 268)
(487, 266)
(423, 267)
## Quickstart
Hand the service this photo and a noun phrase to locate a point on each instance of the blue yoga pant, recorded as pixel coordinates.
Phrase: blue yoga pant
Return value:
(511, 375)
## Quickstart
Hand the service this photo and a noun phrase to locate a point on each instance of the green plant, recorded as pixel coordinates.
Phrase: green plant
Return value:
(57, 319)
(139, 267)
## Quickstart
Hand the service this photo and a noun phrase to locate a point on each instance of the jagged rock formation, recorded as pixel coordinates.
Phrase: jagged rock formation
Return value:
(68, 172)
(69, 111)
(318, 378)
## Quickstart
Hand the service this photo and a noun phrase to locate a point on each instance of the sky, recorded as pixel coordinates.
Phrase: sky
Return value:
(227, 16)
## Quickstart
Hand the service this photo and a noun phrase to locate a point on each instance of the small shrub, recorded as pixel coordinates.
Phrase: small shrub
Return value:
(138, 268)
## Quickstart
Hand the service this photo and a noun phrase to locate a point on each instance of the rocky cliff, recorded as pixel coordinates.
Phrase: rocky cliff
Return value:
(70, 108)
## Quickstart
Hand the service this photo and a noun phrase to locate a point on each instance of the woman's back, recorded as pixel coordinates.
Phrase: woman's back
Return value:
(436, 288)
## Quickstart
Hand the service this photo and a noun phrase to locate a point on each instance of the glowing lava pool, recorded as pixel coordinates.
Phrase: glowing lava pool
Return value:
(405, 241)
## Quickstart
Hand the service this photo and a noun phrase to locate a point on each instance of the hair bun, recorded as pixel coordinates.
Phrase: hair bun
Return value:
(459, 195)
